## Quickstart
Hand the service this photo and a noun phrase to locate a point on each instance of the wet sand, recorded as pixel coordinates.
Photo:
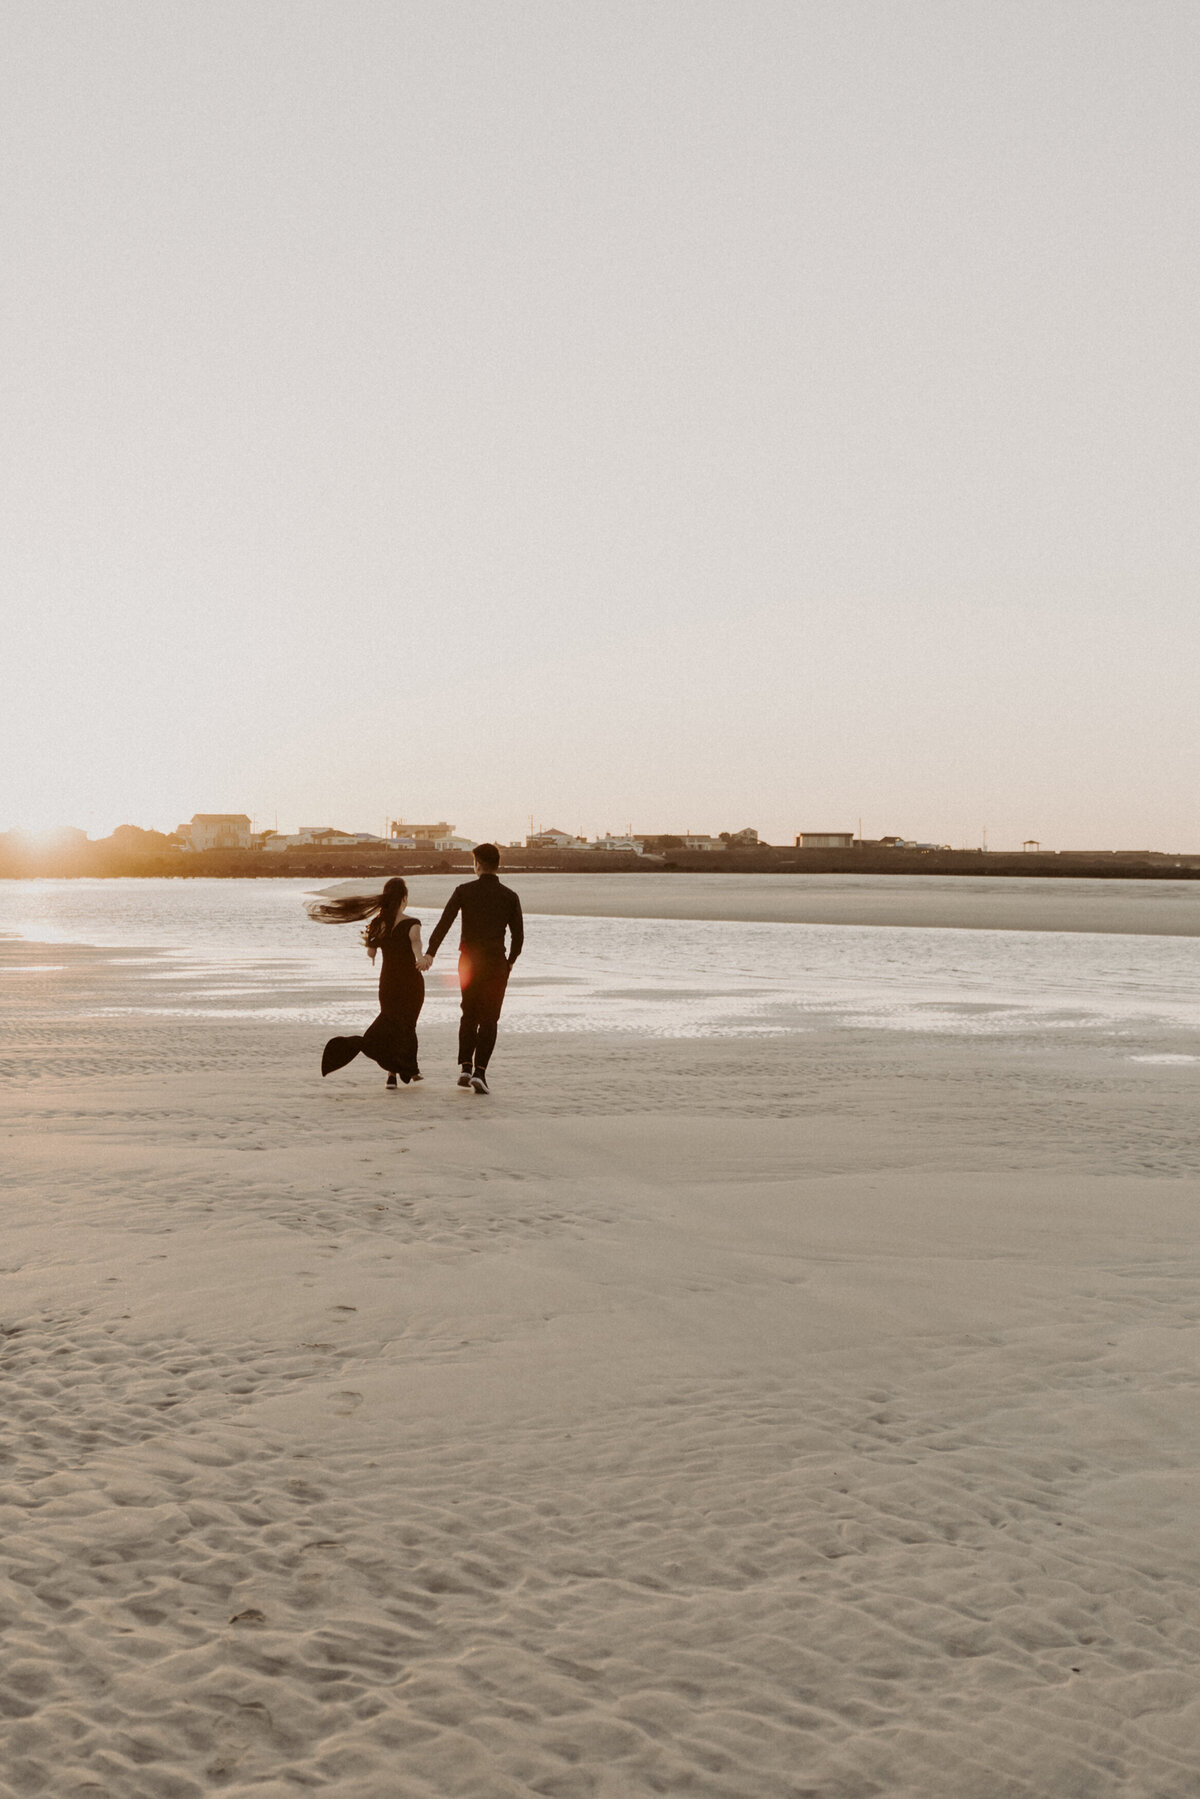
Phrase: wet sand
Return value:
(813, 1416)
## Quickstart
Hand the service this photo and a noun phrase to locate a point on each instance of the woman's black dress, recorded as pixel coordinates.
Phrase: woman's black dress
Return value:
(392, 1039)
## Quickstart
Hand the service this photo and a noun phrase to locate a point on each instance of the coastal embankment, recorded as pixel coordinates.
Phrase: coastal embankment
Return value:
(20, 860)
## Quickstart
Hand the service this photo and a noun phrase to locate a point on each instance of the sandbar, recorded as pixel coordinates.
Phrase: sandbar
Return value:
(959, 902)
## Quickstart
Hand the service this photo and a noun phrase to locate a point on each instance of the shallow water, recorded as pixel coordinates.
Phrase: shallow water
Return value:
(246, 948)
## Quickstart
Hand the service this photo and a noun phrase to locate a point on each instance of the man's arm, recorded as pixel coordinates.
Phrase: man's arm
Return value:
(452, 909)
(516, 930)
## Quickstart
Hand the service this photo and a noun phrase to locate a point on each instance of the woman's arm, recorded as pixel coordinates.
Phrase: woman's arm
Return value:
(414, 932)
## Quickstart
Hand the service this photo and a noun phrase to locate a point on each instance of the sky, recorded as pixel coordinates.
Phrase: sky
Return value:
(680, 414)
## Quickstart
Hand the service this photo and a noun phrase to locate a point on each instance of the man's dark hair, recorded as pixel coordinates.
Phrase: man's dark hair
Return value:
(487, 855)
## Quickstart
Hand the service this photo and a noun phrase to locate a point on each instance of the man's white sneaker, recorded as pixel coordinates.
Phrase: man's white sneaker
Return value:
(464, 1079)
(479, 1081)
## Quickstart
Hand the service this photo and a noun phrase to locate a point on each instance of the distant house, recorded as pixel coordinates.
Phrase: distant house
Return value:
(216, 831)
(701, 843)
(825, 840)
(907, 843)
(324, 837)
(329, 837)
(747, 839)
(425, 837)
(630, 845)
(554, 839)
(451, 846)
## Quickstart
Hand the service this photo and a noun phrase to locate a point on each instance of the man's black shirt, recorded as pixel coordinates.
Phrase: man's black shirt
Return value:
(488, 908)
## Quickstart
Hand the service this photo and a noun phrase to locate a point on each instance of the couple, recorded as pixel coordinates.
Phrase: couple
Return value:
(488, 909)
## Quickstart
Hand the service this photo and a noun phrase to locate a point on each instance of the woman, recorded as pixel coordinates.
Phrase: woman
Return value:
(392, 1039)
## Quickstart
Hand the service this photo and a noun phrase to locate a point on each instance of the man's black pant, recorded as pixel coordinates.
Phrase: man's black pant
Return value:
(483, 985)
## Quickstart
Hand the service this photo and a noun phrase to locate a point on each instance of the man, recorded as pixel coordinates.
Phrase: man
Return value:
(488, 909)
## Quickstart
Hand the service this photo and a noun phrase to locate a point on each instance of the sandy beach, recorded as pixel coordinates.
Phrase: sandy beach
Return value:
(811, 1416)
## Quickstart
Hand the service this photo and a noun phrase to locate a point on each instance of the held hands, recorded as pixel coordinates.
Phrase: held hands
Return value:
(424, 962)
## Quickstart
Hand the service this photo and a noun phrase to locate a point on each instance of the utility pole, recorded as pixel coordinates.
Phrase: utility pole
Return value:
(985, 837)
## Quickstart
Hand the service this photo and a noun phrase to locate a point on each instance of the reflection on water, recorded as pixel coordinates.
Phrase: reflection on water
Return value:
(246, 948)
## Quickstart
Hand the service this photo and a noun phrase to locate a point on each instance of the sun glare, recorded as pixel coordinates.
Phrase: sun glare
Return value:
(39, 840)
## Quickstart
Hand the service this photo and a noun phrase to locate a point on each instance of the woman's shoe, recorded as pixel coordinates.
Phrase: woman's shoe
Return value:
(391, 1080)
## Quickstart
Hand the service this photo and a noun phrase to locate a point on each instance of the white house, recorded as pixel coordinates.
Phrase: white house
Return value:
(631, 845)
(554, 839)
(216, 831)
(701, 843)
(425, 837)
(324, 837)
(449, 846)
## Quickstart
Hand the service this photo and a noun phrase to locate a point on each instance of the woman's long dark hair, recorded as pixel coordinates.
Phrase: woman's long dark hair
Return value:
(381, 908)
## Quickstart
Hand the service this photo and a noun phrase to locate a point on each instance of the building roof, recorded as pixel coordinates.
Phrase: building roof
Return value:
(220, 818)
